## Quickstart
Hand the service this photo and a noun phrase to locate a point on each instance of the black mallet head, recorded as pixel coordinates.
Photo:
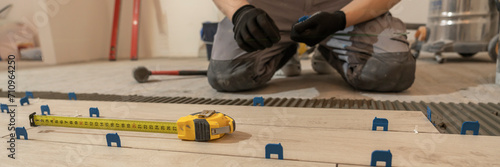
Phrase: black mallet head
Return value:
(141, 74)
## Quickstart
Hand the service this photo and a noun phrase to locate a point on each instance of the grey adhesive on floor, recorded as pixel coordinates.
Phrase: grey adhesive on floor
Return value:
(458, 80)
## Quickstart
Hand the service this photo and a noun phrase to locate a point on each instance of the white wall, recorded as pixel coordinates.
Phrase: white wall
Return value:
(35, 17)
(68, 31)
(184, 20)
(79, 34)
(412, 11)
(20, 8)
(80, 30)
(88, 24)
(171, 30)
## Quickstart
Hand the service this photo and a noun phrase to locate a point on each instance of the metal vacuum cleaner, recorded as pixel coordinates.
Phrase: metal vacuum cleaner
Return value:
(462, 26)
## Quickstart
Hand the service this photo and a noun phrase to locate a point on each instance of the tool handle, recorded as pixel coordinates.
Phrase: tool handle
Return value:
(178, 72)
(192, 72)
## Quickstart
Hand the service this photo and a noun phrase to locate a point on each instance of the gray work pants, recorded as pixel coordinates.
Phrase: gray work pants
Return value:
(373, 55)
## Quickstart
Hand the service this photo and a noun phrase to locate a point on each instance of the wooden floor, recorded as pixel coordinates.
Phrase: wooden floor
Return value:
(310, 137)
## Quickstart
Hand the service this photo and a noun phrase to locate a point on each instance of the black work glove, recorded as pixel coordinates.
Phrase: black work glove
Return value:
(317, 27)
(254, 29)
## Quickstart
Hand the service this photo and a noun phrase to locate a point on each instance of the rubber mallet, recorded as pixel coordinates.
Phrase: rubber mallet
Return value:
(141, 74)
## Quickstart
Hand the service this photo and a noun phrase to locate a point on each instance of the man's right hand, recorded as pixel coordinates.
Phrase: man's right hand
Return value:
(254, 29)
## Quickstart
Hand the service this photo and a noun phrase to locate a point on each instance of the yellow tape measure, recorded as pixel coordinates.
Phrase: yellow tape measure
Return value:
(202, 126)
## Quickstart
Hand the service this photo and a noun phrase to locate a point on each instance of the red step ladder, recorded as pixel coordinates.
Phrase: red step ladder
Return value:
(135, 30)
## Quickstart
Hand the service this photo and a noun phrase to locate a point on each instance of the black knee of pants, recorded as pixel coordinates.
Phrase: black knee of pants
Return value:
(230, 76)
(386, 72)
(246, 72)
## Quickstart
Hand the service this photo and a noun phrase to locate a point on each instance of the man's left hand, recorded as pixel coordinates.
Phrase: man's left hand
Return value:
(317, 27)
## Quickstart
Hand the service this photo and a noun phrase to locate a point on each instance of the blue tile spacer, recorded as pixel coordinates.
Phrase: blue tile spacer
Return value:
(258, 100)
(72, 96)
(45, 109)
(113, 137)
(429, 114)
(21, 132)
(380, 122)
(29, 94)
(94, 111)
(470, 125)
(381, 155)
(24, 100)
(303, 18)
(272, 148)
(4, 107)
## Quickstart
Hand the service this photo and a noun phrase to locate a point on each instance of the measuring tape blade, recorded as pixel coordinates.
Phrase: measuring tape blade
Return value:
(108, 124)
(203, 126)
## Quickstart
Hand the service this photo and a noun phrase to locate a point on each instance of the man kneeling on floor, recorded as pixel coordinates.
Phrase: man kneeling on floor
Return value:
(358, 38)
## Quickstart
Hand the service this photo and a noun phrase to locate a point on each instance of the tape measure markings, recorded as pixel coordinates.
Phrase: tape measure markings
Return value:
(117, 118)
(108, 124)
(203, 126)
